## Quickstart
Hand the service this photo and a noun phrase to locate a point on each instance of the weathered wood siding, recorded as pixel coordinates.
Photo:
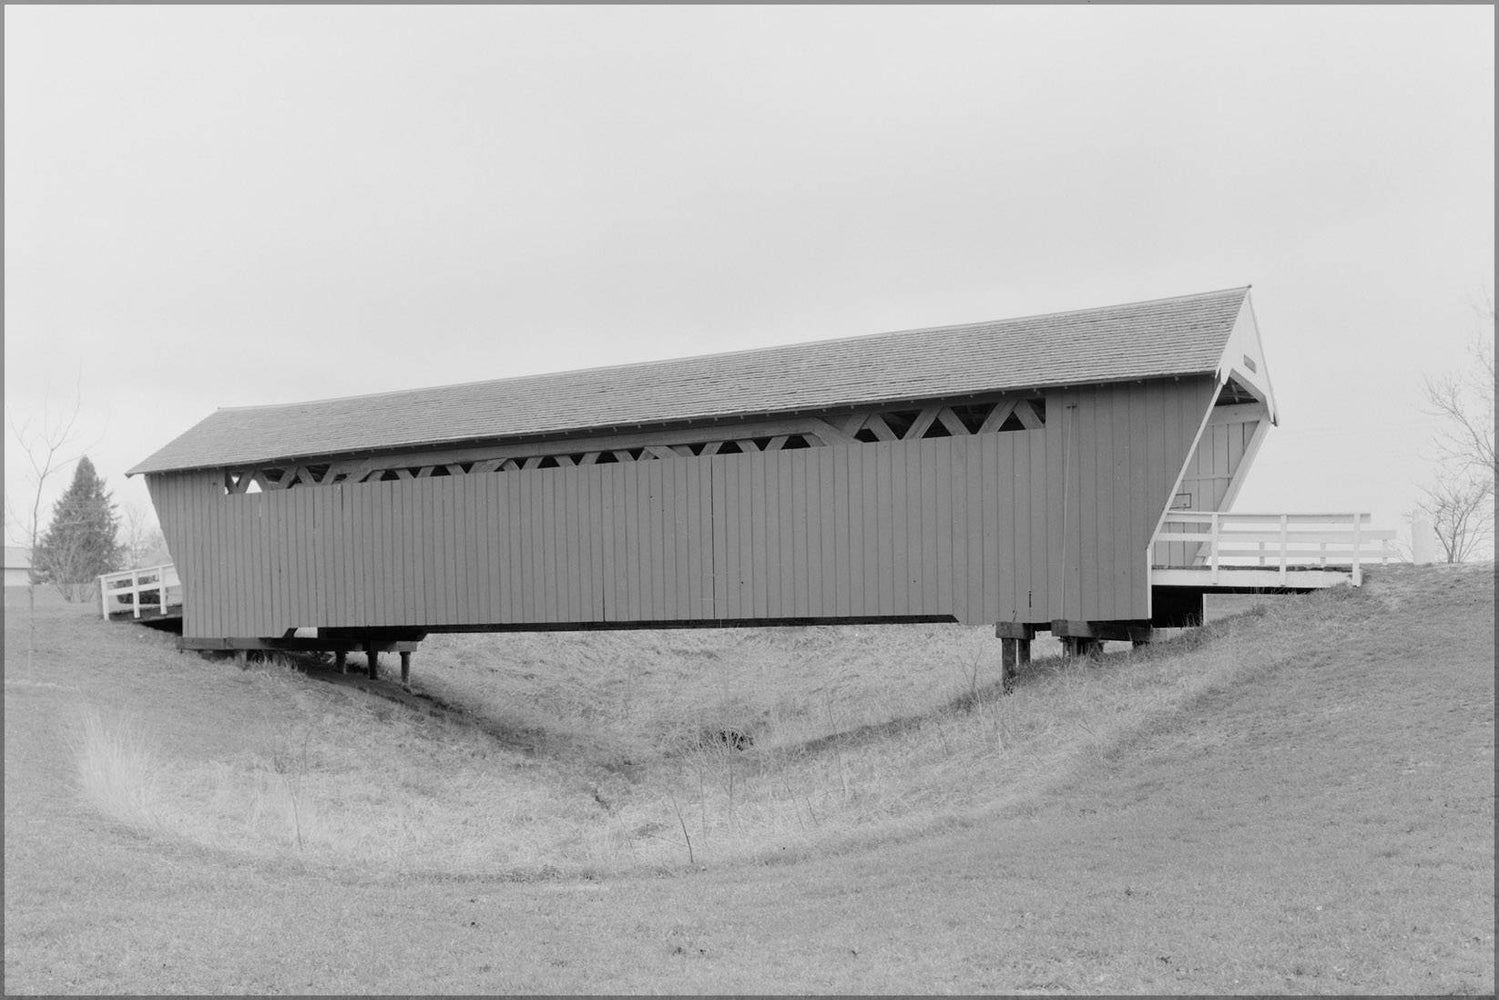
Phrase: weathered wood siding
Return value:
(1212, 466)
(1114, 453)
(1017, 526)
(1209, 473)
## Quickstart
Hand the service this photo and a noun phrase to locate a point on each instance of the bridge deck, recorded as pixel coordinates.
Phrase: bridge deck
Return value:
(1252, 579)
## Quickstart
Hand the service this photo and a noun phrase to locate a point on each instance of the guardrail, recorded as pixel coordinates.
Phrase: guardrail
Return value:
(1282, 542)
(137, 590)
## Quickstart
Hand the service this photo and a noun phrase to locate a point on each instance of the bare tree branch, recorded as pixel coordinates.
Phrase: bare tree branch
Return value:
(1460, 504)
(142, 535)
(1459, 512)
(43, 448)
(1465, 402)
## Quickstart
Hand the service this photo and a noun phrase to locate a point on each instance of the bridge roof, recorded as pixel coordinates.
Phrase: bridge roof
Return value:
(1185, 335)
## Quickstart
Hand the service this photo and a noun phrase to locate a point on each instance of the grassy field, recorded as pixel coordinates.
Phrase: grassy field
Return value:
(1298, 798)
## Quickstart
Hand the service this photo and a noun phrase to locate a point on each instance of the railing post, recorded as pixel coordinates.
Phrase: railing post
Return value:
(121, 592)
(1285, 525)
(1213, 546)
(1358, 576)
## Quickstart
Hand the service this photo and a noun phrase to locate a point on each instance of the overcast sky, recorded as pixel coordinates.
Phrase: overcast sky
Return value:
(226, 206)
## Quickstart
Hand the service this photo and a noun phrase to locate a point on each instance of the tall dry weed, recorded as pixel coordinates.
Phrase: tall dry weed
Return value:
(116, 769)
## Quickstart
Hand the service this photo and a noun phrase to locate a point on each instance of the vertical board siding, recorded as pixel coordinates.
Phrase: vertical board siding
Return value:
(832, 532)
(1040, 580)
(988, 534)
(1058, 417)
(958, 501)
(1018, 526)
(900, 530)
(1216, 461)
(1017, 522)
(876, 529)
(781, 519)
(1096, 498)
(941, 498)
(726, 566)
(1209, 474)
(1109, 476)
(808, 565)
(1114, 604)
(570, 533)
(627, 563)
(759, 542)
(530, 574)
(627, 541)
(1139, 484)
(1004, 515)
(924, 585)
(305, 540)
(361, 522)
(1119, 547)
(864, 590)
(606, 547)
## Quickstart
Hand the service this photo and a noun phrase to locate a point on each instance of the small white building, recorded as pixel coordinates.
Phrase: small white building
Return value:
(17, 566)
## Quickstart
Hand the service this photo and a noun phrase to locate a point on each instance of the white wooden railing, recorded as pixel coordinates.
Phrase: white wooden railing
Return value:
(1283, 543)
(120, 592)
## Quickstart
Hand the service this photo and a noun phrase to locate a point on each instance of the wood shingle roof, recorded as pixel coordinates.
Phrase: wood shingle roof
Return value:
(1161, 338)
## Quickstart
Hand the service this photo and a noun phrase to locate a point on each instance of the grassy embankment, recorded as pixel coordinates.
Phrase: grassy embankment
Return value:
(1292, 799)
(601, 753)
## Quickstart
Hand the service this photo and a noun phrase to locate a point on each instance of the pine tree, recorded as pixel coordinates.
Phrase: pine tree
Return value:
(80, 544)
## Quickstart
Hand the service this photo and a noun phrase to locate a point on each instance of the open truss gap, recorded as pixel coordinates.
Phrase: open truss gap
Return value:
(1005, 415)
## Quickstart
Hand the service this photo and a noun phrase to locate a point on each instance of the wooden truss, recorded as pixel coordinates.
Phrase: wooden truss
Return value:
(863, 427)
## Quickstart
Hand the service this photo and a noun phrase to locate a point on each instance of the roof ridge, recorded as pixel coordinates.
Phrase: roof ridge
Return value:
(625, 366)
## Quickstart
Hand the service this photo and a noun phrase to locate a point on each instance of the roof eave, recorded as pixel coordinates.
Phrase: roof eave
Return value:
(146, 467)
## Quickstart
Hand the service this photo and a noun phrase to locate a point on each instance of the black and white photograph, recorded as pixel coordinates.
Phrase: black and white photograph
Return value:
(731, 499)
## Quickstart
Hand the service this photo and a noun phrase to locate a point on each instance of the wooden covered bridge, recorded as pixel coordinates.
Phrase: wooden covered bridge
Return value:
(1065, 472)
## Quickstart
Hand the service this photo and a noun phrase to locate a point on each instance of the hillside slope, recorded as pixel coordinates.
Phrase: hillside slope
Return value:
(1297, 800)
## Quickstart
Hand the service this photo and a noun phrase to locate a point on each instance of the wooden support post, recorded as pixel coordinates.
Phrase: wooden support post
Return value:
(341, 660)
(374, 660)
(1015, 649)
(1014, 653)
(406, 670)
(242, 659)
(1076, 645)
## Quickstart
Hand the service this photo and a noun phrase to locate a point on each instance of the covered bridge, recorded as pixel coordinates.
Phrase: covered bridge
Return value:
(1016, 472)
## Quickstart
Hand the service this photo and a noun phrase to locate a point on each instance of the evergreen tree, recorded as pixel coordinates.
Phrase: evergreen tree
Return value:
(80, 544)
